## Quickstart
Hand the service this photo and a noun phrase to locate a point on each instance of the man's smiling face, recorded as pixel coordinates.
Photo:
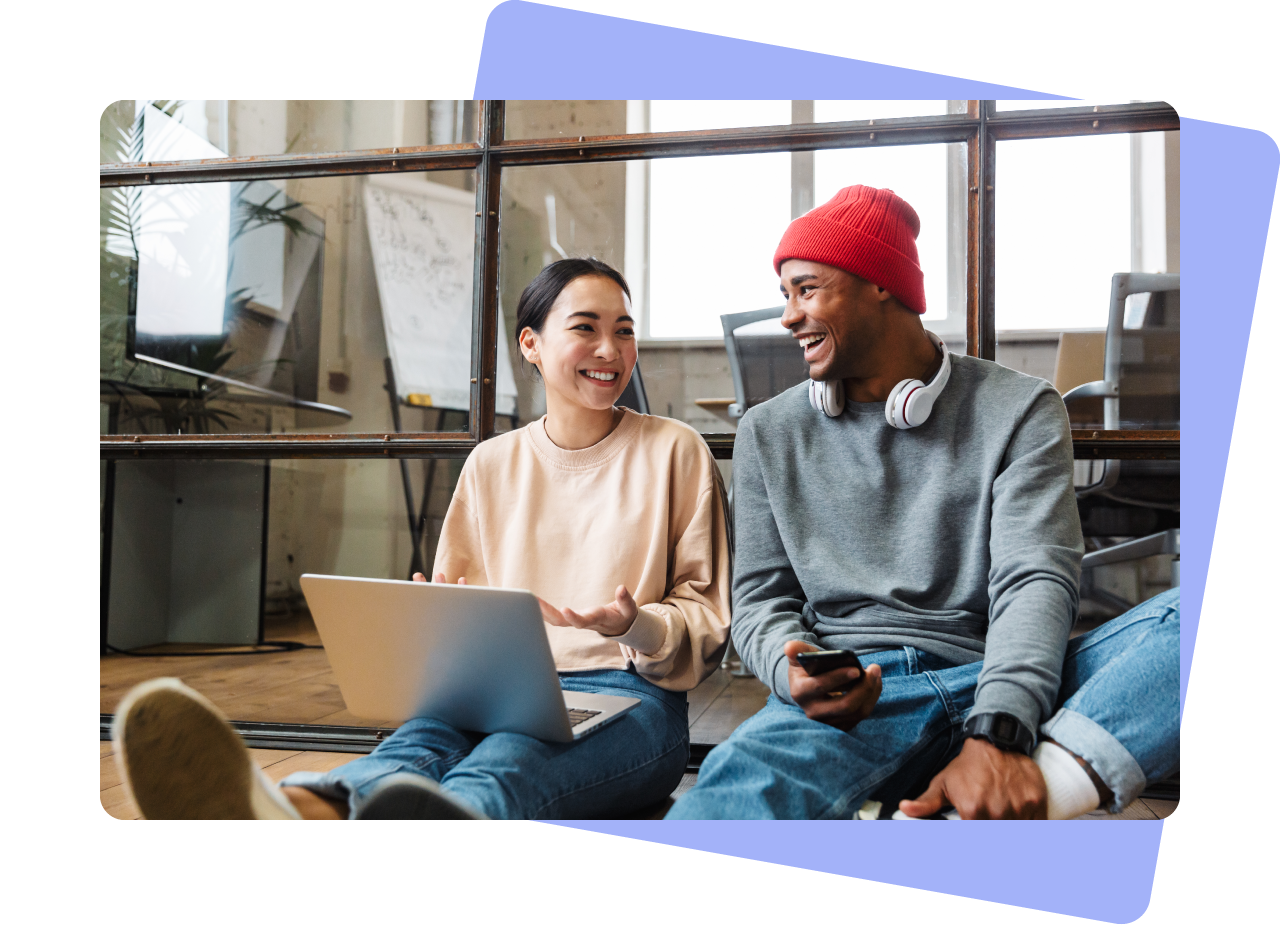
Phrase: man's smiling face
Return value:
(834, 316)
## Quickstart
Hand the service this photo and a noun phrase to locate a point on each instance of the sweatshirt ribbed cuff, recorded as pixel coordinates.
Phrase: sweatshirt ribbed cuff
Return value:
(1007, 697)
(647, 633)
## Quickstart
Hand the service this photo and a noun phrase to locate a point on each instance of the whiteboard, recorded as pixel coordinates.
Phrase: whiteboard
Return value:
(423, 239)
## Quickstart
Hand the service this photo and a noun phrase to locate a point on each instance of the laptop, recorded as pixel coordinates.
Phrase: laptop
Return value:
(477, 658)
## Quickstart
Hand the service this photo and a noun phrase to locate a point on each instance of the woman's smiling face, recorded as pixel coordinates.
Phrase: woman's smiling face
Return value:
(587, 347)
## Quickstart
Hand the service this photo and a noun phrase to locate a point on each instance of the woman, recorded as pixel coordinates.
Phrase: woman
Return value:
(615, 520)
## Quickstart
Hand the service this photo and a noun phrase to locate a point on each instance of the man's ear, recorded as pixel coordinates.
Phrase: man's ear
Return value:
(883, 294)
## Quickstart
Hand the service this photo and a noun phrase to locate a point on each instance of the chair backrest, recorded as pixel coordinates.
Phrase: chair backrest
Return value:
(1140, 365)
(634, 395)
(1150, 365)
(763, 363)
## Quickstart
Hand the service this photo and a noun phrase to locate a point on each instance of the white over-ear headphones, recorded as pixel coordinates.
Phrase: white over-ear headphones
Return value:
(907, 406)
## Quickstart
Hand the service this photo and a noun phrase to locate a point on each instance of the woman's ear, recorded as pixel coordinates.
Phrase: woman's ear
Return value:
(529, 345)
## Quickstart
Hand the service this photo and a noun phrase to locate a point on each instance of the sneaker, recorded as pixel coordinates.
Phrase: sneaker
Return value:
(412, 796)
(179, 758)
(869, 810)
(949, 814)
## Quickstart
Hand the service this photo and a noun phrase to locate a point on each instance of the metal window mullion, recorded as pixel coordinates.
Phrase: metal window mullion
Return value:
(338, 164)
(442, 444)
(484, 328)
(1139, 117)
(1087, 444)
(810, 137)
(1096, 120)
(980, 332)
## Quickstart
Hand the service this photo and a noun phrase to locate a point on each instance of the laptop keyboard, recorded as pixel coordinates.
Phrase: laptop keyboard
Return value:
(577, 717)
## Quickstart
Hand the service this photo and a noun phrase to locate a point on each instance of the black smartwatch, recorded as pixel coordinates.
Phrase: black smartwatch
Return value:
(1003, 730)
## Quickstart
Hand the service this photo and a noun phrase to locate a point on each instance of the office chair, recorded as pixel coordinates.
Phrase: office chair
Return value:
(763, 363)
(634, 396)
(1141, 365)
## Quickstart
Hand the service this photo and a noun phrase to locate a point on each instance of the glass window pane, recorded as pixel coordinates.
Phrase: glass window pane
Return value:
(859, 110)
(260, 306)
(564, 118)
(1071, 213)
(1062, 229)
(131, 130)
(724, 215)
(601, 210)
(665, 221)
(187, 568)
(702, 115)
(1009, 105)
(527, 119)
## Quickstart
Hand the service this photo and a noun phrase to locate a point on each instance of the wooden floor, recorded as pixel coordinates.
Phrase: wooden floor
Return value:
(299, 687)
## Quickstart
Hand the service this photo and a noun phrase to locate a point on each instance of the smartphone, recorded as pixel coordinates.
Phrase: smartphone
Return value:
(824, 660)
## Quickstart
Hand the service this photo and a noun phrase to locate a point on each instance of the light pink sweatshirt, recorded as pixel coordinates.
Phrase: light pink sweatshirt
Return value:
(641, 508)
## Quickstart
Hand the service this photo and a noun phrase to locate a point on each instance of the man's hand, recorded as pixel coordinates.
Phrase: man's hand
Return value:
(613, 619)
(983, 782)
(842, 697)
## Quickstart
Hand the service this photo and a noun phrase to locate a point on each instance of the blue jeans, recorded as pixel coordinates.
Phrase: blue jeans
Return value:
(1117, 709)
(632, 762)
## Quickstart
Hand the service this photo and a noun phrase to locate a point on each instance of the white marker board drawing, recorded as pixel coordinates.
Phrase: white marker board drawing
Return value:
(423, 240)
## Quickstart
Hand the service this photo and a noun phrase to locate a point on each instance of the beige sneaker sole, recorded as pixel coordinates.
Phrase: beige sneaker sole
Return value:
(180, 759)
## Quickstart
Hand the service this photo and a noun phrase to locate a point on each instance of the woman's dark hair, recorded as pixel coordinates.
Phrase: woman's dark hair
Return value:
(539, 295)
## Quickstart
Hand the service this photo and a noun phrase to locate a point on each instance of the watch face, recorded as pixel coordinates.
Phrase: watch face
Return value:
(1005, 729)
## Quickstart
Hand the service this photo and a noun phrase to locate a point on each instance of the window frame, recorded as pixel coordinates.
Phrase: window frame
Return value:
(980, 127)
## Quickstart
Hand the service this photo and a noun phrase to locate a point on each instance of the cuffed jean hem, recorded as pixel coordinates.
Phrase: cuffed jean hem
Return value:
(1104, 753)
(325, 785)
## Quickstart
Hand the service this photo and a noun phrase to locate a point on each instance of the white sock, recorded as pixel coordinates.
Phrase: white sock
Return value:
(1071, 790)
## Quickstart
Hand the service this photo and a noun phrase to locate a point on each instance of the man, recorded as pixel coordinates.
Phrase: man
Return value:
(942, 544)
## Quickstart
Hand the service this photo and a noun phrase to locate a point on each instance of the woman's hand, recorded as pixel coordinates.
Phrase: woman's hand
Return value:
(610, 620)
(613, 619)
(439, 579)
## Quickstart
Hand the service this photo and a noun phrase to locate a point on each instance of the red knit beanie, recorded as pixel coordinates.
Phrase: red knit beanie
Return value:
(869, 232)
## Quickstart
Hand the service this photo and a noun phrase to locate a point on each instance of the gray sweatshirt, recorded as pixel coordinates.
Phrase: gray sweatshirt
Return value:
(959, 537)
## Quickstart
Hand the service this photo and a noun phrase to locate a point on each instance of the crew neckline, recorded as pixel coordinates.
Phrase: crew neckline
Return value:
(588, 457)
(865, 407)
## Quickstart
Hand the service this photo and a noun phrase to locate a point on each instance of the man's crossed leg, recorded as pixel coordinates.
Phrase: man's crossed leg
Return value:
(1117, 713)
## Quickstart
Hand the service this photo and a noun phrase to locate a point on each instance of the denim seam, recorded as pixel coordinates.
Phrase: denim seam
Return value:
(423, 764)
(953, 715)
(449, 757)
